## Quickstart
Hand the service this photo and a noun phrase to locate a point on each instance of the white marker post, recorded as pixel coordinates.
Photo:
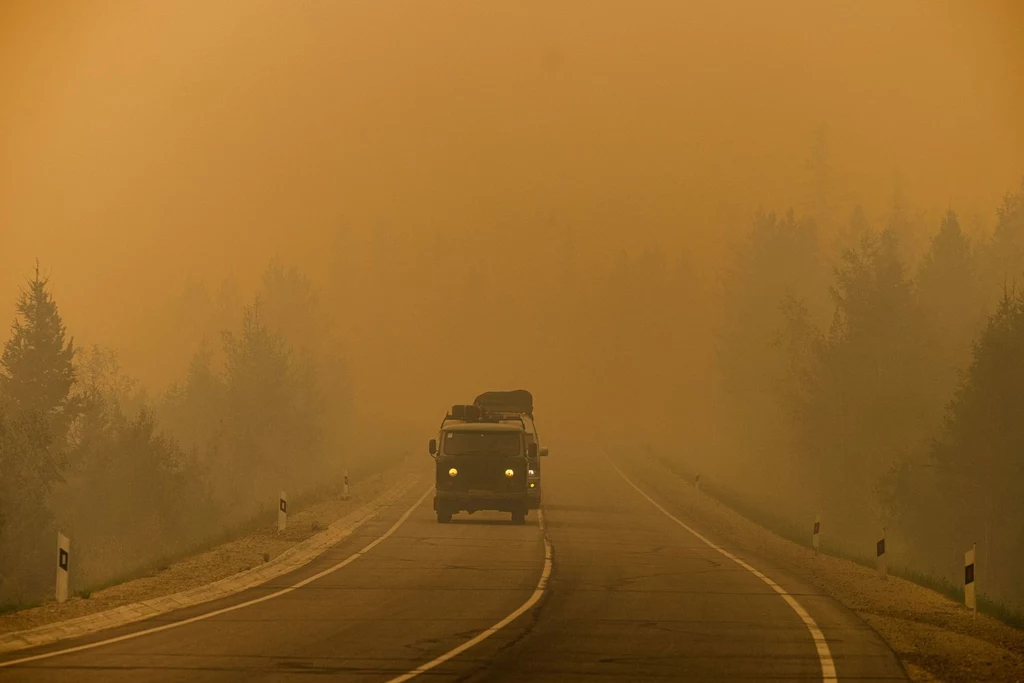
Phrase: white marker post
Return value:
(970, 591)
(696, 482)
(816, 534)
(282, 512)
(880, 556)
(345, 490)
(63, 562)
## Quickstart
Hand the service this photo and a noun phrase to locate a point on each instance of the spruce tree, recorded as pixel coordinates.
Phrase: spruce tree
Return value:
(36, 376)
(36, 369)
(980, 456)
(1004, 255)
(951, 299)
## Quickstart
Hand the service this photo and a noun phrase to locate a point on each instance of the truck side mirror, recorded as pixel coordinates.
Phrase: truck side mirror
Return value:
(531, 450)
(432, 446)
(543, 452)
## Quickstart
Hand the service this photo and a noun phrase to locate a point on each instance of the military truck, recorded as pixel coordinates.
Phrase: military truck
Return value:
(517, 406)
(481, 463)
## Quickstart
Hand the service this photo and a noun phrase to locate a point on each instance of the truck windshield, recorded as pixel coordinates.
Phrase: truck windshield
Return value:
(481, 443)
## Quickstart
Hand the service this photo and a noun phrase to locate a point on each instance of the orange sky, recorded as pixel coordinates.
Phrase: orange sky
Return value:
(144, 142)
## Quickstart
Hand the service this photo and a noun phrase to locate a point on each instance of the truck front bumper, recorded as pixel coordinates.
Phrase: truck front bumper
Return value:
(471, 501)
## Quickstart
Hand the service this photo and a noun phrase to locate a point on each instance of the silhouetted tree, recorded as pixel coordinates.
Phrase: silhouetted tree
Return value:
(875, 405)
(36, 369)
(268, 432)
(36, 409)
(981, 453)
(194, 410)
(951, 298)
(1004, 254)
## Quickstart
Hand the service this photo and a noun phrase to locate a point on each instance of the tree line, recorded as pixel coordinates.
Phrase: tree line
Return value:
(135, 479)
(882, 393)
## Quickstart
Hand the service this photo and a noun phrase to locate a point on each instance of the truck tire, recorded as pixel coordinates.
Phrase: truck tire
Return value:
(519, 517)
(444, 515)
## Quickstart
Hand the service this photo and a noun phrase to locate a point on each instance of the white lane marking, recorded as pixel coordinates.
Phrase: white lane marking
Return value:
(828, 666)
(276, 594)
(484, 635)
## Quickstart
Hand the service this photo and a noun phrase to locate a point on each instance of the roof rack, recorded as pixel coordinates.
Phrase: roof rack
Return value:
(474, 413)
(469, 413)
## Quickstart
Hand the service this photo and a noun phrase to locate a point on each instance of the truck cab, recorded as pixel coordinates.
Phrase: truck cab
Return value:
(481, 463)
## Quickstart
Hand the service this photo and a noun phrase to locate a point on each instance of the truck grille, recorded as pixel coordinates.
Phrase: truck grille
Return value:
(481, 474)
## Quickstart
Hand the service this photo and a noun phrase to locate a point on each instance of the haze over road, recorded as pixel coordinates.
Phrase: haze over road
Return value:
(633, 596)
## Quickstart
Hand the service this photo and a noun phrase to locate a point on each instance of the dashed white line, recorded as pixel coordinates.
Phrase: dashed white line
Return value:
(828, 666)
(538, 592)
(206, 615)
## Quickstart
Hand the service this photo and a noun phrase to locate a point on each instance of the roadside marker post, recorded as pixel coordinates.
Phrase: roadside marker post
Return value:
(970, 589)
(345, 490)
(282, 512)
(816, 534)
(880, 556)
(696, 482)
(63, 564)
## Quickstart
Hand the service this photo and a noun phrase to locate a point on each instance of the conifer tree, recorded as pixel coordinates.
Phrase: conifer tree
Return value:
(981, 453)
(36, 369)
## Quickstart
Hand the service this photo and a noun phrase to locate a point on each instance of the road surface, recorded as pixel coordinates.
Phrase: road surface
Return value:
(632, 596)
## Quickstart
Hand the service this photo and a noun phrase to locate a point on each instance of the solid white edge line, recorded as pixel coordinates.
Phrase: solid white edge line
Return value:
(206, 615)
(828, 666)
(484, 635)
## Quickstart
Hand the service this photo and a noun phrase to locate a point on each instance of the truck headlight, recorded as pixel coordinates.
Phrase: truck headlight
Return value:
(530, 472)
(452, 472)
(509, 473)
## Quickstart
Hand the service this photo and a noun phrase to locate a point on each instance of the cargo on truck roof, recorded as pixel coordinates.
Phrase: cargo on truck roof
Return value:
(516, 401)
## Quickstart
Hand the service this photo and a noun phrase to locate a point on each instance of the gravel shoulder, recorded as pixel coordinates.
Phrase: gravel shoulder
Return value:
(936, 638)
(219, 562)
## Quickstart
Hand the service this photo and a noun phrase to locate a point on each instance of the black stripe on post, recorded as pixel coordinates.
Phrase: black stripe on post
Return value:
(880, 548)
(284, 505)
(62, 559)
(969, 574)
(817, 527)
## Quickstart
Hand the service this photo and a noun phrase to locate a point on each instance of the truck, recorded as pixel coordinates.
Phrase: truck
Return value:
(480, 463)
(517, 407)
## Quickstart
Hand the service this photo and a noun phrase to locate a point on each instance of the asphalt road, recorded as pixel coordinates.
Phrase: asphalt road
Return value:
(632, 596)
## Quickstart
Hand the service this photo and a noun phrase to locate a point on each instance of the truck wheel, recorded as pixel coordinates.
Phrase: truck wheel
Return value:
(443, 515)
(519, 517)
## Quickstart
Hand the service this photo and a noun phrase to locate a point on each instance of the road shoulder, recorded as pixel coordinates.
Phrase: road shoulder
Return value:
(220, 572)
(934, 637)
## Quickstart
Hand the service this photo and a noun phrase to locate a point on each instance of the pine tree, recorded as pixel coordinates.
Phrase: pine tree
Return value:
(951, 298)
(1004, 255)
(981, 454)
(876, 403)
(36, 369)
(36, 377)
